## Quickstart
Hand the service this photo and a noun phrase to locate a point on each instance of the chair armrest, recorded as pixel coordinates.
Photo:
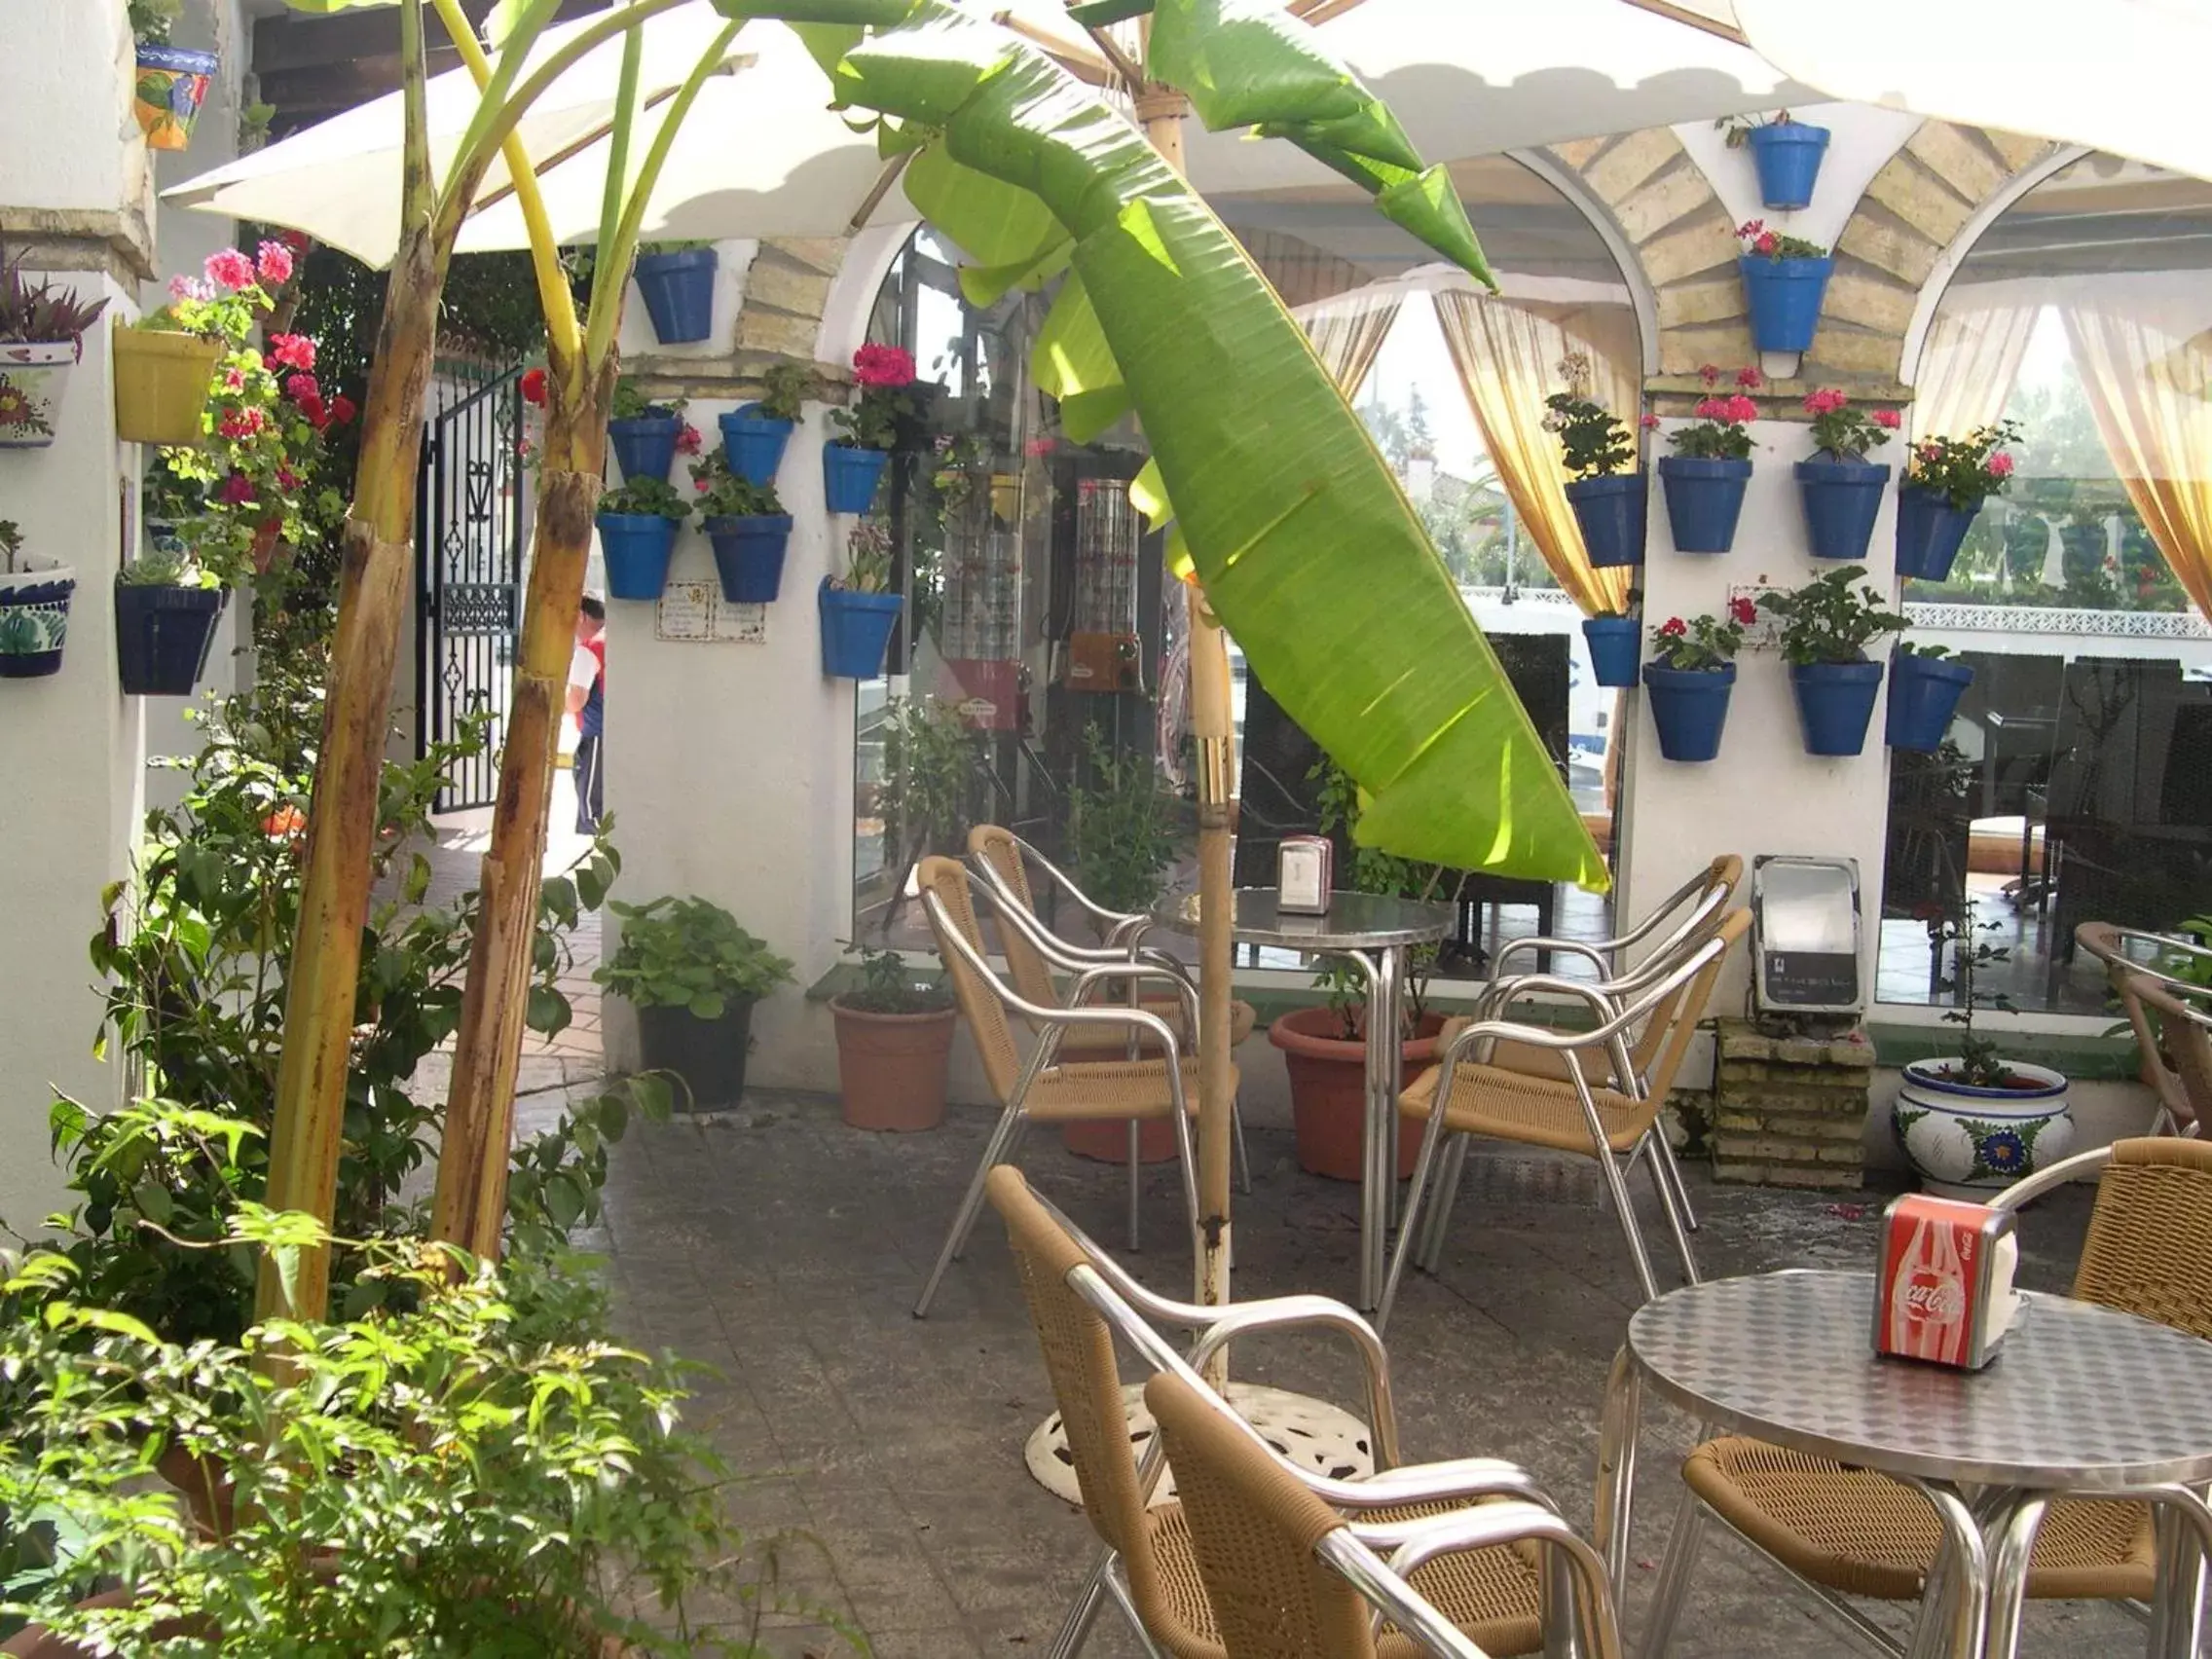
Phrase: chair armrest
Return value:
(1599, 955)
(1393, 1598)
(2057, 1174)
(1413, 1543)
(1457, 1479)
(1220, 1326)
(1187, 994)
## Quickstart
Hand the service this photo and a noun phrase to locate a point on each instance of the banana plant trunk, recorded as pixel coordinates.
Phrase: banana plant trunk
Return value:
(471, 1199)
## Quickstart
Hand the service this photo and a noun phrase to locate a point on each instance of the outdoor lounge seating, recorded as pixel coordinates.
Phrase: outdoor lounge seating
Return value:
(2178, 1112)
(1149, 1565)
(1856, 1532)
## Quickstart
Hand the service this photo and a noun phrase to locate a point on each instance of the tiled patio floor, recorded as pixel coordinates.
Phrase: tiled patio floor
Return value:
(786, 1251)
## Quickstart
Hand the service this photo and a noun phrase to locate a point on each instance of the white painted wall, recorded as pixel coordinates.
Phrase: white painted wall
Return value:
(66, 130)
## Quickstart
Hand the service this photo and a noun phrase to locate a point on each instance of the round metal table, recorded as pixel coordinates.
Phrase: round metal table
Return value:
(1372, 932)
(2079, 1399)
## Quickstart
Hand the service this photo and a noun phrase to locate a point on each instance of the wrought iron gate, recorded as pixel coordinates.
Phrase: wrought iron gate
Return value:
(473, 524)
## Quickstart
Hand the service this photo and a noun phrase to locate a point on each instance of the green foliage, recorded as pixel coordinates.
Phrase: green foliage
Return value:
(164, 568)
(689, 953)
(152, 19)
(631, 404)
(1703, 643)
(932, 765)
(1951, 936)
(648, 497)
(1597, 443)
(723, 493)
(784, 388)
(869, 558)
(2190, 965)
(889, 986)
(1844, 433)
(1965, 471)
(469, 1467)
(1121, 826)
(41, 313)
(1825, 621)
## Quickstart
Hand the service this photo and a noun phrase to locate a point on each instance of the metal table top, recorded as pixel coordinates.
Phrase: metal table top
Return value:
(2079, 1396)
(1355, 921)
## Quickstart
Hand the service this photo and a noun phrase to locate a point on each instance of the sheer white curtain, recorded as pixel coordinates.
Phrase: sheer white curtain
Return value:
(1347, 333)
(1969, 364)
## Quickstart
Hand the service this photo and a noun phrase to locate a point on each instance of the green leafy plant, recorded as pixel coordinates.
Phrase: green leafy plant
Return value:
(1703, 643)
(1951, 935)
(1720, 433)
(1759, 242)
(1120, 828)
(43, 313)
(1826, 621)
(646, 498)
(1844, 433)
(631, 404)
(933, 767)
(167, 495)
(1965, 471)
(152, 19)
(725, 493)
(1737, 130)
(1597, 443)
(689, 953)
(784, 388)
(867, 558)
(165, 567)
(1908, 648)
(889, 986)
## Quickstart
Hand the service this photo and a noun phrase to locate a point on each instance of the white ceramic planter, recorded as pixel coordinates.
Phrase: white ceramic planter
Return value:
(34, 617)
(1967, 1142)
(32, 378)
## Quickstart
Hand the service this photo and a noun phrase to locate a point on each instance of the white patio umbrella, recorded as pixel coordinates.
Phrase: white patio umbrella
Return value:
(763, 155)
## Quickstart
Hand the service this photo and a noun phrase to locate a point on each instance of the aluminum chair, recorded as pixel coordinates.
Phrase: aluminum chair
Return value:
(1288, 1577)
(2180, 1025)
(1707, 895)
(2177, 1114)
(1081, 1301)
(1605, 1108)
(1044, 1087)
(1849, 1531)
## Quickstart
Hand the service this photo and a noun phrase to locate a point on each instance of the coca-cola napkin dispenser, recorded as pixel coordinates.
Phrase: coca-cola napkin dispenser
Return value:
(1944, 1291)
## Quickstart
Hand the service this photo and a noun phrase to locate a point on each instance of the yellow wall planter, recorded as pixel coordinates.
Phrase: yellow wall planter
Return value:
(162, 381)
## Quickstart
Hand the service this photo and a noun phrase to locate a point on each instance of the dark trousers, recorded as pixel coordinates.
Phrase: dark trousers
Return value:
(591, 782)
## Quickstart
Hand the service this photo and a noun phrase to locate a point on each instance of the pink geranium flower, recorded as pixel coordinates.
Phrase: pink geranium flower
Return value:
(275, 264)
(2000, 465)
(1709, 373)
(883, 365)
(1712, 409)
(230, 268)
(236, 489)
(303, 389)
(190, 288)
(1742, 409)
(1750, 379)
(1767, 242)
(1824, 401)
(687, 441)
(1888, 418)
(291, 350)
(1650, 422)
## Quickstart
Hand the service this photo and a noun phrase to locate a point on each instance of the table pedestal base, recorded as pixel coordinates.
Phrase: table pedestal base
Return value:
(1311, 1433)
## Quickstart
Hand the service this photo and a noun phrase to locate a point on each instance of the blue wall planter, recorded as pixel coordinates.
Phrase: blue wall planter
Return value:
(1616, 646)
(1930, 532)
(636, 547)
(646, 447)
(678, 290)
(1835, 701)
(1924, 694)
(856, 630)
(849, 477)
(1842, 499)
(1611, 514)
(748, 553)
(162, 636)
(1785, 298)
(1788, 155)
(753, 443)
(1704, 498)
(1689, 707)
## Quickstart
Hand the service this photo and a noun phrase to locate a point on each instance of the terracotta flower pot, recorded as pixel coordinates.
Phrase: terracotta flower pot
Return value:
(891, 1067)
(1106, 1140)
(1328, 1090)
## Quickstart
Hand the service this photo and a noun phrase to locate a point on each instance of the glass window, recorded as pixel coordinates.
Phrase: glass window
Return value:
(2075, 783)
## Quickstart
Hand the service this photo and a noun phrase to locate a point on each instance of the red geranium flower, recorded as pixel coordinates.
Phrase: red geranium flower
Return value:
(1750, 379)
(301, 389)
(291, 352)
(236, 489)
(534, 387)
(883, 365)
(1673, 627)
(687, 441)
(1744, 610)
(1888, 418)
(1766, 244)
(341, 409)
(230, 268)
(1709, 373)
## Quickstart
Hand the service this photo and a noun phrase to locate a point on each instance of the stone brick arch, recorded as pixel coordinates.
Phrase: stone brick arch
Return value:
(1685, 241)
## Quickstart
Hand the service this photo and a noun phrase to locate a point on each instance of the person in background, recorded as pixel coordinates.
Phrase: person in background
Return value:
(587, 707)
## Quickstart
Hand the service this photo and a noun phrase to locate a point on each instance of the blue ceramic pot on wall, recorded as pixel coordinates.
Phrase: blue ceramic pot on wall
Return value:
(849, 477)
(1689, 708)
(1611, 513)
(1704, 499)
(636, 547)
(646, 447)
(749, 556)
(1788, 155)
(1616, 646)
(856, 630)
(1835, 702)
(753, 443)
(1924, 695)
(1842, 500)
(678, 290)
(1785, 299)
(1930, 532)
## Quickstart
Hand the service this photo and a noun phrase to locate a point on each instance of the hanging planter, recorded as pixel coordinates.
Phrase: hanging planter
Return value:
(1616, 645)
(1704, 499)
(748, 555)
(856, 630)
(32, 380)
(1946, 480)
(850, 475)
(644, 447)
(34, 613)
(1835, 702)
(162, 633)
(170, 88)
(1785, 281)
(1611, 513)
(679, 291)
(1924, 695)
(1689, 708)
(636, 547)
(162, 381)
(1787, 156)
(1842, 498)
(753, 442)
(1930, 532)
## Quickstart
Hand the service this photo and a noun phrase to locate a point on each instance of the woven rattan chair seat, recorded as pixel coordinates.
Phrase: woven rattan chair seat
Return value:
(1100, 1038)
(1539, 1110)
(1111, 1088)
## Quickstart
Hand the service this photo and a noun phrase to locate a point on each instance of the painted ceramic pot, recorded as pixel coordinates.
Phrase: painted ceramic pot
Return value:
(1967, 1142)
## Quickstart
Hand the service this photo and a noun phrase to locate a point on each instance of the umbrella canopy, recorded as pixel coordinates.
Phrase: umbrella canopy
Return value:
(763, 155)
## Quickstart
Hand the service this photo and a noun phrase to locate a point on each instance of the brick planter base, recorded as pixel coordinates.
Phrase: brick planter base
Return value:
(1789, 1111)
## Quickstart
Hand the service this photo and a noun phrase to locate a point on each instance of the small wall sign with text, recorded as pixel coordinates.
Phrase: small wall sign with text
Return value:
(696, 613)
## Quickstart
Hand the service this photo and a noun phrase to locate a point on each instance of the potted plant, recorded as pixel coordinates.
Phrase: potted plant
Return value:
(172, 81)
(852, 470)
(1946, 480)
(1690, 680)
(169, 503)
(636, 532)
(693, 975)
(35, 608)
(1840, 488)
(754, 434)
(1786, 152)
(748, 528)
(1785, 281)
(1615, 640)
(1324, 1049)
(165, 610)
(1705, 477)
(1606, 490)
(1926, 682)
(894, 1039)
(859, 610)
(646, 435)
(42, 338)
(1974, 1123)
(677, 280)
(166, 365)
(1825, 629)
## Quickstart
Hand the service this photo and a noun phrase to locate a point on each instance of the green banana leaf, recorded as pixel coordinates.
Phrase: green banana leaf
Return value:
(1307, 549)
